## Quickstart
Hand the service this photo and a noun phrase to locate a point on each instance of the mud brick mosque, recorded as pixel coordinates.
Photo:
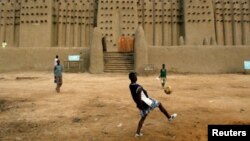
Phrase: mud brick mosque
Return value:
(197, 36)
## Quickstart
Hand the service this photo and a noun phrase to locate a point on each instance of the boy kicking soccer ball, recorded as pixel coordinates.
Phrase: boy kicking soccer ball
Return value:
(144, 103)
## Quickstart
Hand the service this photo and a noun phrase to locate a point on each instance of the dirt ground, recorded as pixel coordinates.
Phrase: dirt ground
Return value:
(100, 108)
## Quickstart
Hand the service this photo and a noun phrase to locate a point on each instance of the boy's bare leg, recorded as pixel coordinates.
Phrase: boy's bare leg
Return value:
(59, 84)
(162, 82)
(140, 124)
(58, 87)
(164, 111)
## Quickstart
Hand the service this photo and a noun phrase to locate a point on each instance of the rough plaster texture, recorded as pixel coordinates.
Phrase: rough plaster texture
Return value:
(199, 21)
(38, 59)
(205, 59)
(117, 19)
(46, 23)
(73, 23)
(141, 51)
(36, 24)
(96, 53)
(166, 23)
(184, 59)
(70, 23)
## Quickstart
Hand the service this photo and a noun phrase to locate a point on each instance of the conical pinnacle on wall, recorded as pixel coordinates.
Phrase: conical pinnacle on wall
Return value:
(212, 41)
(181, 41)
(205, 41)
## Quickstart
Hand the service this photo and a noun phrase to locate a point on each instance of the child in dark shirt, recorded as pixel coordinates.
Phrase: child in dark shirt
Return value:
(144, 103)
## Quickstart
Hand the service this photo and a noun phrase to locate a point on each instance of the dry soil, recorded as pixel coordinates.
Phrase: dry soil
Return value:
(99, 107)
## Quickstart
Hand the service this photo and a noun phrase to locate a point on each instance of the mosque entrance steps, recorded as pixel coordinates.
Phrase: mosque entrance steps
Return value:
(118, 62)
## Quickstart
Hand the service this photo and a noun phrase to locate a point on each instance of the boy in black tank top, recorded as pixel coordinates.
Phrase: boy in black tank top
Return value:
(144, 103)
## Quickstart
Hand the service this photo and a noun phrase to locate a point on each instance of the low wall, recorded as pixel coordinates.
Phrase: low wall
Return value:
(38, 58)
(200, 59)
(184, 59)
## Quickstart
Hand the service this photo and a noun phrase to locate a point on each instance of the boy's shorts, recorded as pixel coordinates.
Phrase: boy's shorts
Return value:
(154, 104)
(59, 79)
(163, 80)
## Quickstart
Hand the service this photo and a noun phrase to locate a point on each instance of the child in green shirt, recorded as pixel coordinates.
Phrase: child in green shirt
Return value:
(163, 75)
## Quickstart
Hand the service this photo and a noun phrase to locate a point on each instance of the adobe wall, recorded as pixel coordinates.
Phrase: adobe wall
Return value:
(36, 24)
(73, 23)
(117, 19)
(184, 59)
(37, 59)
(65, 23)
(200, 59)
(199, 22)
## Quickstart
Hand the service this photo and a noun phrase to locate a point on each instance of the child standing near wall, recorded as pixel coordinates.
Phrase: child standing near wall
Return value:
(58, 75)
(4, 44)
(55, 63)
(55, 60)
(163, 75)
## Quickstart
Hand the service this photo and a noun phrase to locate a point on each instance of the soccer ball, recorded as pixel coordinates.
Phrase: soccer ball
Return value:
(168, 90)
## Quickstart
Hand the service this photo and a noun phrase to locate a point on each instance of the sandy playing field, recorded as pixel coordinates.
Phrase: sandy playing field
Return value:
(100, 108)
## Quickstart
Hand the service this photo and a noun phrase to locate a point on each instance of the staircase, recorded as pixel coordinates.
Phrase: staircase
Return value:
(116, 62)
